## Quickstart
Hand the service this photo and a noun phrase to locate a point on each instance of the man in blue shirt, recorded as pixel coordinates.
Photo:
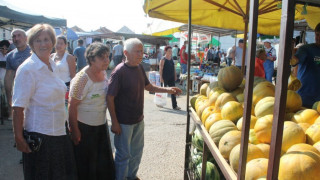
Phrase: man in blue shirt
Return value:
(308, 59)
(79, 54)
(16, 57)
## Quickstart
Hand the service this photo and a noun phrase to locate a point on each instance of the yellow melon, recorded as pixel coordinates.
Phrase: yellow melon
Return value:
(253, 153)
(223, 99)
(256, 168)
(220, 128)
(294, 101)
(230, 77)
(237, 91)
(265, 148)
(200, 99)
(297, 165)
(211, 86)
(263, 128)
(262, 90)
(317, 145)
(313, 134)
(240, 97)
(212, 119)
(203, 89)
(228, 142)
(264, 107)
(305, 116)
(232, 110)
(302, 147)
(252, 122)
(292, 134)
(206, 113)
(304, 126)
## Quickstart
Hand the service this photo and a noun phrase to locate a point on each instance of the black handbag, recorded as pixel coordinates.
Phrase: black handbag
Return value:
(34, 140)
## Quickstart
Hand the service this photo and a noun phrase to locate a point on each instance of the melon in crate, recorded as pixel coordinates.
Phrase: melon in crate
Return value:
(264, 107)
(220, 128)
(256, 168)
(262, 90)
(228, 142)
(299, 165)
(203, 89)
(222, 100)
(252, 122)
(232, 110)
(313, 134)
(265, 148)
(230, 78)
(292, 134)
(253, 153)
(294, 101)
(305, 116)
(212, 119)
(263, 128)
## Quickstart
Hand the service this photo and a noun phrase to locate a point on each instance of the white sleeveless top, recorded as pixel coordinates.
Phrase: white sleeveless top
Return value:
(63, 68)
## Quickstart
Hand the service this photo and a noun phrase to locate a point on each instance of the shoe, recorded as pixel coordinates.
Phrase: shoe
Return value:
(177, 108)
(159, 106)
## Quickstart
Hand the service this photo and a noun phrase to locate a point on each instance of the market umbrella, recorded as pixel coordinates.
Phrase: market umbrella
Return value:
(174, 39)
(228, 14)
(215, 42)
(70, 34)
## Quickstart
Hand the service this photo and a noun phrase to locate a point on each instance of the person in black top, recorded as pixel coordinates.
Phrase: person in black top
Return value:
(168, 74)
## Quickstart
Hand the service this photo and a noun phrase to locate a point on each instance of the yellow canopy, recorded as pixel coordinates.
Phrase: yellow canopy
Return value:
(167, 32)
(228, 14)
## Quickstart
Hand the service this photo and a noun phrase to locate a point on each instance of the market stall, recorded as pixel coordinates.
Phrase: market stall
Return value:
(237, 169)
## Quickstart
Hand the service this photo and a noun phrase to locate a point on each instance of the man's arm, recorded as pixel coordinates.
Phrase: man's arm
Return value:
(171, 90)
(161, 69)
(115, 127)
(8, 83)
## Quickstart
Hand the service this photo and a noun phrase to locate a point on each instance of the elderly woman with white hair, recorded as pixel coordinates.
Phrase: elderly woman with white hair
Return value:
(39, 112)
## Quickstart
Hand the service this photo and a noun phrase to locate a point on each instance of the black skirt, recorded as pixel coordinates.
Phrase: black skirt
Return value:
(54, 160)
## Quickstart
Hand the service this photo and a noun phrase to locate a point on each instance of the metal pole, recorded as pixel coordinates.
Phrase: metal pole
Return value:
(254, 8)
(286, 34)
(188, 136)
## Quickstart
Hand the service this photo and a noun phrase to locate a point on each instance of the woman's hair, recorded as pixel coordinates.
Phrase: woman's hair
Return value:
(37, 29)
(95, 49)
(167, 47)
(130, 43)
(4, 43)
(260, 51)
(62, 38)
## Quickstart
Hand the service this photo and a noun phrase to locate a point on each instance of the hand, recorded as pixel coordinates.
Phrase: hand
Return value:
(22, 145)
(115, 128)
(175, 91)
(161, 80)
(76, 136)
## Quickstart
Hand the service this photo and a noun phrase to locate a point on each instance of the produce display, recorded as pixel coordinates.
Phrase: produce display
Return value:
(220, 108)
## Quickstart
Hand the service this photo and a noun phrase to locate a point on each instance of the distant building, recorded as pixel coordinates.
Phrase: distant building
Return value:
(125, 30)
(103, 30)
(77, 29)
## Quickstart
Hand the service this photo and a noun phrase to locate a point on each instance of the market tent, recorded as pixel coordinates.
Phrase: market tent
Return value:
(227, 14)
(23, 20)
(70, 34)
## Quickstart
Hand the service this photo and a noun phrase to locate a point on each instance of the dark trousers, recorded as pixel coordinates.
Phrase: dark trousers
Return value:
(171, 83)
(54, 160)
(93, 154)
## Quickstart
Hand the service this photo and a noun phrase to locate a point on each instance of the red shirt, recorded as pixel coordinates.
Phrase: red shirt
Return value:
(183, 56)
(258, 68)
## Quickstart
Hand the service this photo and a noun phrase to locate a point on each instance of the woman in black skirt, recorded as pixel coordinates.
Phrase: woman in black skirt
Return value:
(168, 74)
(87, 116)
(39, 113)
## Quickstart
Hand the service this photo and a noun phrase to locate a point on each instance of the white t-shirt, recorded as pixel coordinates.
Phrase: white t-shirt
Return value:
(92, 109)
(63, 68)
(42, 95)
(118, 50)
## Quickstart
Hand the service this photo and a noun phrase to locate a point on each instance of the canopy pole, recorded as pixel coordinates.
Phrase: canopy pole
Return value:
(286, 34)
(188, 136)
(254, 8)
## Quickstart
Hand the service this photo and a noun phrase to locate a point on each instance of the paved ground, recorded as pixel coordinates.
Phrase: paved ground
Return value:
(163, 156)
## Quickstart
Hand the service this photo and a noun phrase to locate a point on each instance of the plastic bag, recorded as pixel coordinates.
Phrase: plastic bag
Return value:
(160, 99)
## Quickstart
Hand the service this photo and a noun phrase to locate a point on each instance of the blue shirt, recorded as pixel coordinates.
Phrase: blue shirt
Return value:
(15, 58)
(81, 60)
(309, 73)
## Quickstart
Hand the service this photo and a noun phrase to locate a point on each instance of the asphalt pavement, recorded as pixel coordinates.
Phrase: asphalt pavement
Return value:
(163, 155)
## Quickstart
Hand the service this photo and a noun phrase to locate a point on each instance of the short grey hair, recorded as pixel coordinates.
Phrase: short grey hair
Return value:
(130, 43)
(18, 30)
(96, 49)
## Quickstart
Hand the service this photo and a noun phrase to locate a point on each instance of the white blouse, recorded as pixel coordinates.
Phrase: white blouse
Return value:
(92, 109)
(42, 95)
(63, 68)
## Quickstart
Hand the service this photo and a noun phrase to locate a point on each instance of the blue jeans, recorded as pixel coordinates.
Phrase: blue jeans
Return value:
(183, 68)
(129, 147)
